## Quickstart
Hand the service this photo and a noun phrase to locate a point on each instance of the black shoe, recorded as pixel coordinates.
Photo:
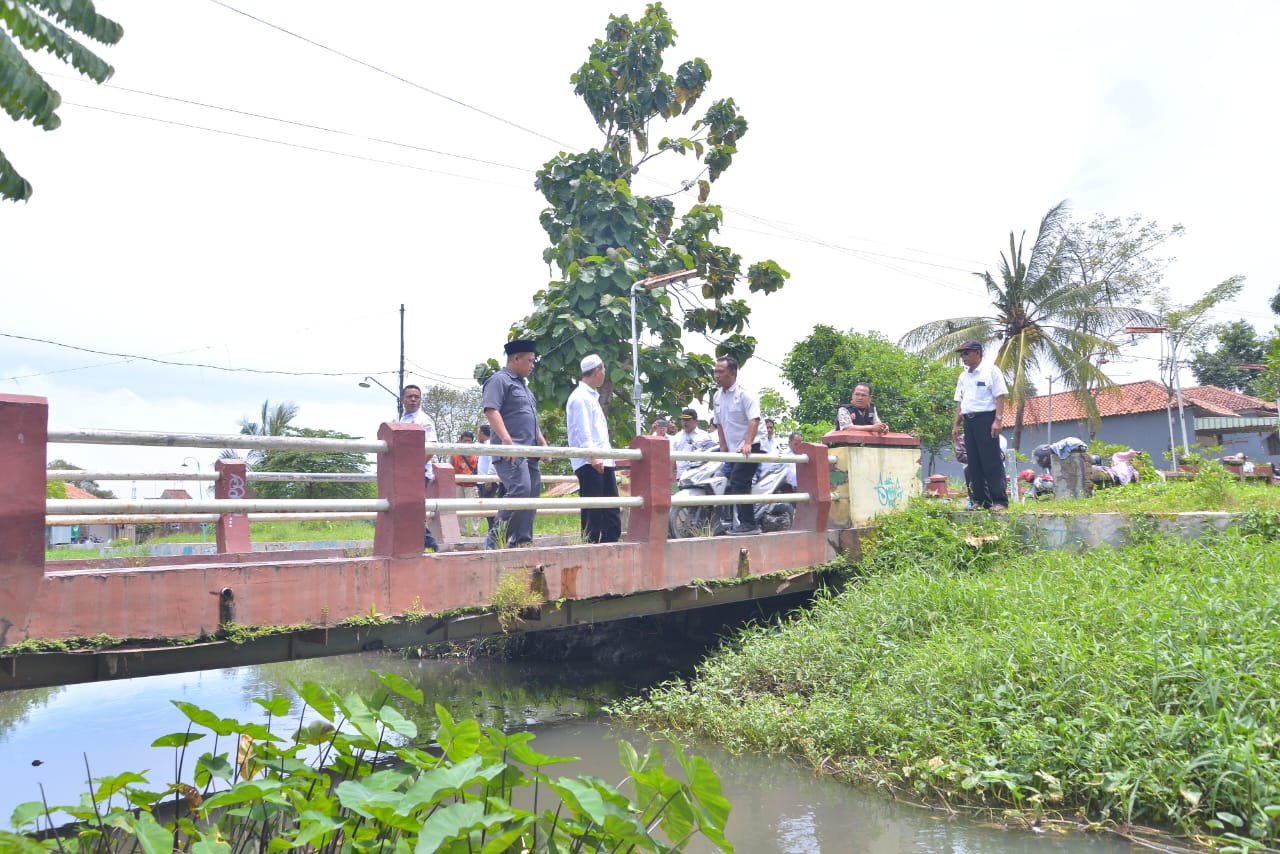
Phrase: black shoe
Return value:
(744, 530)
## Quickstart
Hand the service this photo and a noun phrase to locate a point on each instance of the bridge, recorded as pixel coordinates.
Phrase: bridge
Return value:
(66, 622)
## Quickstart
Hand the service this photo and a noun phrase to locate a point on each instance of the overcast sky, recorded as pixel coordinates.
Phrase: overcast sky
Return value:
(892, 148)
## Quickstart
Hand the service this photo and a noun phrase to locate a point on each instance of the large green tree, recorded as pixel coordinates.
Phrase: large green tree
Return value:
(273, 421)
(1116, 257)
(605, 237)
(42, 25)
(89, 486)
(913, 394)
(313, 462)
(1237, 344)
(1040, 320)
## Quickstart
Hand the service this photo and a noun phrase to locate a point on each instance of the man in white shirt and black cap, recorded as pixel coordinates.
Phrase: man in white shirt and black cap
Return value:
(588, 429)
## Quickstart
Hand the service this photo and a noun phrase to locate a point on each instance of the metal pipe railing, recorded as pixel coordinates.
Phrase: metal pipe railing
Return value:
(215, 440)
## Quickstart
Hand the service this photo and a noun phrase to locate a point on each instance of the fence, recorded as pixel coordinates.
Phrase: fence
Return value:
(404, 504)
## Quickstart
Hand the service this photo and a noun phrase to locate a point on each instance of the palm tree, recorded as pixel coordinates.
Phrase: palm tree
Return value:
(275, 422)
(36, 26)
(1038, 321)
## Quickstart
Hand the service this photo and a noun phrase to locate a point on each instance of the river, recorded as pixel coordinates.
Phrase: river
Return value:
(778, 806)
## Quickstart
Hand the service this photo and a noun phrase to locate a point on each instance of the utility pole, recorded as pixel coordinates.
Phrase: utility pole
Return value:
(400, 403)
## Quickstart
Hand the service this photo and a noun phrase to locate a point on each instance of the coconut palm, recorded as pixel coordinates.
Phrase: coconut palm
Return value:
(1039, 315)
(275, 422)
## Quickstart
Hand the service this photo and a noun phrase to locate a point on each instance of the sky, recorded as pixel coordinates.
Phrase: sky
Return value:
(892, 149)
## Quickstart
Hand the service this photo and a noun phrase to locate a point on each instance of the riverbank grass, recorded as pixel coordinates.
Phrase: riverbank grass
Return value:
(1133, 685)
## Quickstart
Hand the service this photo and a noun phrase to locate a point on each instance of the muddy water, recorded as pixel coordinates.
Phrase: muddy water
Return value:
(777, 805)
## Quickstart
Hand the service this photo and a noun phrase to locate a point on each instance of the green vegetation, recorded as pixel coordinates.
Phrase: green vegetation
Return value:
(1213, 488)
(452, 793)
(1135, 685)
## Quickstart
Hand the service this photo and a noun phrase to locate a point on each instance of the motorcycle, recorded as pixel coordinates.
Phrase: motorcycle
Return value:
(712, 478)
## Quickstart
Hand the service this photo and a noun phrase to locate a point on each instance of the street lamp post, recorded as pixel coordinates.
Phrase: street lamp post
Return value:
(648, 285)
(1177, 386)
(399, 404)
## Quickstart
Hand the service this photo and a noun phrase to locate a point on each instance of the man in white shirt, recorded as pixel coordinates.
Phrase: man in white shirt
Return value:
(769, 444)
(737, 422)
(484, 466)
(690, 438)
(588, 429)
(411, 400)
(980, 394)
(793, 445)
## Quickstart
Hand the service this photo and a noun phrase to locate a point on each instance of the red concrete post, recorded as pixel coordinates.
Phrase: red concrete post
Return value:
(650, 480)
(233, 528)
(402, 482)
(24, 439)
(814, 478)
(444, 524)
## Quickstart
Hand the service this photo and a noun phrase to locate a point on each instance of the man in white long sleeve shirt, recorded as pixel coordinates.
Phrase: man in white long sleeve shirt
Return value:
(411, 400)
(691, 438)
(588, 429)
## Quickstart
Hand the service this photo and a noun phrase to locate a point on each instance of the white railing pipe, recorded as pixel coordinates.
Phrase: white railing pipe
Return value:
(120, 506)
(214, 440)
(719, 500)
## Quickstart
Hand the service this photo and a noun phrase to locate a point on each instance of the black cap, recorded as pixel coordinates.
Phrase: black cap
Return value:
(520, 345)
(689, 413)
(467, 434)
(970, 345)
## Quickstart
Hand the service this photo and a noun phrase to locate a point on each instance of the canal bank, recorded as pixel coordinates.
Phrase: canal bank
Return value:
(964, 664)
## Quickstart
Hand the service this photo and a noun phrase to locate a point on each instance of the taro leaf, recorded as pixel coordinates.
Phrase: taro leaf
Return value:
(376, 797)
(456, 822)
(142, 798)
(401, 686)
(360, 716)
(316, 732)
(248, 792)
(206, 718)
(459, 740)
(211, 846)
(706, 788)
(212, 767)
(433, 786)
(153, 838)
(505, 840)
(20, 844)
(312, 825)
(108, 786)
(177, 739)
(25, 813)
(316, 697)
(277, 707)
(522, 752)
(397, 722)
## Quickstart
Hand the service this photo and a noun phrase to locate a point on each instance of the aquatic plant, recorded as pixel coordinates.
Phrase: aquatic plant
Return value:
(355, 777)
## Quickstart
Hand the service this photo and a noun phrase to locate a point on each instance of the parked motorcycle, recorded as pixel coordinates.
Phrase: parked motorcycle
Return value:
(712, 478)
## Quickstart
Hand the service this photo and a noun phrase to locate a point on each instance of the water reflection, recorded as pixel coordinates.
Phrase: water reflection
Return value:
(778, 806)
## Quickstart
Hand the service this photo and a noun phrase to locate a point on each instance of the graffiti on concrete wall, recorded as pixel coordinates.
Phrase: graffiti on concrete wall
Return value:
(889, 491)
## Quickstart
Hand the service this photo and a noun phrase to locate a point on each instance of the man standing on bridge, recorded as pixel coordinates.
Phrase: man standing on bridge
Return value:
(411, 400)
(737, 422)
(588, 429)
(512, 412)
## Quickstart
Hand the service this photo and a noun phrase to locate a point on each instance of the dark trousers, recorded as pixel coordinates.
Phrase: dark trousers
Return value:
(490, 490)
(602, 525)
(740, 477)
(428, 540)
(986, 471)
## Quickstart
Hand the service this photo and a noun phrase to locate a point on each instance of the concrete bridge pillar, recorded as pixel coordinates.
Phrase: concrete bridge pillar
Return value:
(24, 439)
(398, 531)
(650, 480)
(233, 528)
(444, 523)
(815, 479)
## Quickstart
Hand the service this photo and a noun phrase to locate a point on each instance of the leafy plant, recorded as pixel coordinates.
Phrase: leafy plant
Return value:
(514, 595)
(331, 785)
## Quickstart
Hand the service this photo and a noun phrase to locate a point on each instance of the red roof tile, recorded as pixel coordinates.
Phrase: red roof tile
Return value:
(1135, 398)
(74, 491)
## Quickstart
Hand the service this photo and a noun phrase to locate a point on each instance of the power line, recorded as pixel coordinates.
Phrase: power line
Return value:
(395, 76)
(293, 144)
(294, 123)
(136, 358)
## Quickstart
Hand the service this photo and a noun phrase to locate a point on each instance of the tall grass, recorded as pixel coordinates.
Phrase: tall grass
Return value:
(1134, 685)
